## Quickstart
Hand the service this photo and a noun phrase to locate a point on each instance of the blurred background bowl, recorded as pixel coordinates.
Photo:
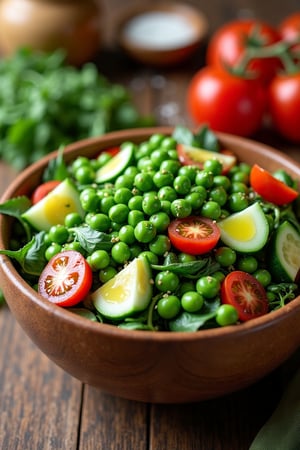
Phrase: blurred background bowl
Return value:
(163, 34)
(163, 367)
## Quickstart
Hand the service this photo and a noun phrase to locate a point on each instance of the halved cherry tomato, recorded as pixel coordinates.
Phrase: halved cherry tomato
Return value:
(270, 188)
(66, 280)
(193, 156)
(194, 235)
(246, 294)
(43, 189)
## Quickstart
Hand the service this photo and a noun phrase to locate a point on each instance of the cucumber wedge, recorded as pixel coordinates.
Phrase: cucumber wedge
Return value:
(284, 253)
(53, 208)
(115, 166)
(127, 293)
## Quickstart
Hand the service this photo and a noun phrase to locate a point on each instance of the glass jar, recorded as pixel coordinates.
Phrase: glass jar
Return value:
(73, 25)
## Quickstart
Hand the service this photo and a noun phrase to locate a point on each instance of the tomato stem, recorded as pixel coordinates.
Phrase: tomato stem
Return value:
(282, 50)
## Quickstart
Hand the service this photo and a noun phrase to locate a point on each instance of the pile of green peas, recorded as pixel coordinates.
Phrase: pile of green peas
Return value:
(136, 209)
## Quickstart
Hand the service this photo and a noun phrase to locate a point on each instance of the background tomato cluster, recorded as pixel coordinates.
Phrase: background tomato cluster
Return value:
(267, 90)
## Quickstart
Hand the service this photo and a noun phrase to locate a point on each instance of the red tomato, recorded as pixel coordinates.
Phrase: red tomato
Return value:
(225, 102)
(66, 280)
(284, 105)
(289, 29)
(246, 294)
(43, 189)
(194, 235)
(270, 188)
(228, 44)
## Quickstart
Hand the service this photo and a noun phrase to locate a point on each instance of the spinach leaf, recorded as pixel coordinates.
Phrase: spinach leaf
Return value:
(15, 207)
(193, 321)
(191, 269)
(91, 240)
(204, 138)
(31, 257)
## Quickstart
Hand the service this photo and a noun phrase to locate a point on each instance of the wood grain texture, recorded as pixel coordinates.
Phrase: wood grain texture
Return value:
(40, 403)
(41, 407)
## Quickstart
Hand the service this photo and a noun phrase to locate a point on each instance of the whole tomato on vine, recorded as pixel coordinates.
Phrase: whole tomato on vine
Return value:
(226, 102)
(227, 47)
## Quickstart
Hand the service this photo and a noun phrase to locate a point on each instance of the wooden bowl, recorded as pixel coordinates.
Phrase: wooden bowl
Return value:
(164, 367)
(162, 34)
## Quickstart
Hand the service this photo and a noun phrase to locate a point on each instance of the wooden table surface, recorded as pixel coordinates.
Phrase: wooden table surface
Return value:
(44, 408)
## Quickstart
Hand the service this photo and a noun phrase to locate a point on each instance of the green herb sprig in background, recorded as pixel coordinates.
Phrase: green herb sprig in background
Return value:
(45, 103)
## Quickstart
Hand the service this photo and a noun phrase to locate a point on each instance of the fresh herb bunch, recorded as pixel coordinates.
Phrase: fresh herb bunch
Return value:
(45, 103)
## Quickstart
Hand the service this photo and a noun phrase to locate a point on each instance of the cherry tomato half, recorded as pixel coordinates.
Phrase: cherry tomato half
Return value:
(226, 102)
(284, 105)
(43, 189)
(246, 294)
(227, 45)
(270, 188)
(66, 279)
(194, 235)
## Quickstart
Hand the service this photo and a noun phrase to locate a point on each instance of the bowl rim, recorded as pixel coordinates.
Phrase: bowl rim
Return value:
(251, 326)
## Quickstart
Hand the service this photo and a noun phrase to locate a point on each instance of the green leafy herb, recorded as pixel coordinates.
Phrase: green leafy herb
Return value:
(281, 294)
(31, 257)
(45, 103)
(192, 321)
(15, 207)
(204, 138)
(91, 240)
(56, 168)
(191, 269)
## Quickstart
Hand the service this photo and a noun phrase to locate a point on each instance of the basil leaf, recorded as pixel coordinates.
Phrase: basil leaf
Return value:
(31, 257)
(91, 240)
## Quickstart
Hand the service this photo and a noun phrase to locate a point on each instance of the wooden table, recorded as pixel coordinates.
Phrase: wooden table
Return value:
(44, 408)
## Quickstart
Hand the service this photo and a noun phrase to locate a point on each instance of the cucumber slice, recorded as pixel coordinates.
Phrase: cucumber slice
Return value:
(115, 166)
(284, 253)
(52, 209)
(128, 292)
(245, 231)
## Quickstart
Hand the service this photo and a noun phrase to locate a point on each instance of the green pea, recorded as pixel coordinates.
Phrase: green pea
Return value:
(211, 209)
(120, 252)
(144, 181)
(58, 234)
(118, 213)
(107, 274)
(99, 259)
(160, 220)
(145, 231)
(181, 208)
(167, 281)
(182, 184)
(225, 256)
(126, 234)
(160, 244)
(208, 286)
(122, 195)
(226, 315)
(151, 203)
(169, 307)
(192, 301)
